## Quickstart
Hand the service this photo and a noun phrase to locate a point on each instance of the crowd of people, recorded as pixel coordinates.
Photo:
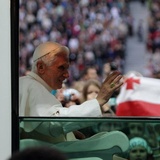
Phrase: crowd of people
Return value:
(95, 31)
(153, 39)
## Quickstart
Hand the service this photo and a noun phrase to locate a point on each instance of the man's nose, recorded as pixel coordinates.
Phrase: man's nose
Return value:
(66, 74)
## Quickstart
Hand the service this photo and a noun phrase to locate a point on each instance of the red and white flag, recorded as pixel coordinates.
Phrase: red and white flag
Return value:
(139, 96)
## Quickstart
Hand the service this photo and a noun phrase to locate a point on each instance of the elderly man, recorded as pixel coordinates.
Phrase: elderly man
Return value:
(49, 70)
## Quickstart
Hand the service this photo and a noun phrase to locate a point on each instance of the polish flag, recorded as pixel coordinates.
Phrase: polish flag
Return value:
(139, 96)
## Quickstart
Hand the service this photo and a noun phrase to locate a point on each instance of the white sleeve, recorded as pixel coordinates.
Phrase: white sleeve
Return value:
(89, 108)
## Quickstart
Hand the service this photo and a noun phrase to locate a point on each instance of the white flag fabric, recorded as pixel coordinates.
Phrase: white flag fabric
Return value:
(139, 96)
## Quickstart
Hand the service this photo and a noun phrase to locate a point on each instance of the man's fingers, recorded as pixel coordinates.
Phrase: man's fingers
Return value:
(112, 76)
(116, 83)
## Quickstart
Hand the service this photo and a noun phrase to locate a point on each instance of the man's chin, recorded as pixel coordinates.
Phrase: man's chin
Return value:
(59, 86)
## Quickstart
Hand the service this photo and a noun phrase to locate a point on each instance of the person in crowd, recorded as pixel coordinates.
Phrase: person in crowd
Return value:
(78, 85)
(91, 90)
(139, 149)
(68, 97)
(106, 70)
(136, 129)
(140, 30)
(39, 153)
(90, 72)
(153, 139)
(49, 70)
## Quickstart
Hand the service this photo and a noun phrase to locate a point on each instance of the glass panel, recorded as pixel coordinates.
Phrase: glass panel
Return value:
(92, 137)
(109, 35)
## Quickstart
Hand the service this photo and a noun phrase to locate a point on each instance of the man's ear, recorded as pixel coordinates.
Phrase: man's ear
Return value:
(41, 67)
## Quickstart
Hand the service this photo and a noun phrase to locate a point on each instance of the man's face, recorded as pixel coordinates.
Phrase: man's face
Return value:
(55, 74)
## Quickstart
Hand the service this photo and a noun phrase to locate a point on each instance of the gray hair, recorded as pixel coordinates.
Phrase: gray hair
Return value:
(48, 60)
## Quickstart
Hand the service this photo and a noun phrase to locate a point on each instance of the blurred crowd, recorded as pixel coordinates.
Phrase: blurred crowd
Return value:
(153, 39)
(94, 30)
